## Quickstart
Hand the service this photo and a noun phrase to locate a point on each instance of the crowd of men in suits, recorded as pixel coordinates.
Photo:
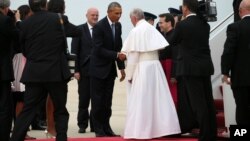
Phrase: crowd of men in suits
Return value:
(98, 54)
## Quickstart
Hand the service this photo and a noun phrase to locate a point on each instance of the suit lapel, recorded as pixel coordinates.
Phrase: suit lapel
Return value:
(108, 27)
(116, 30)
(87, 32)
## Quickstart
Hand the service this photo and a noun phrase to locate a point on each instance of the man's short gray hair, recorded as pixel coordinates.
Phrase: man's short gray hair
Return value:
(4, 3)
(138, 13)
(113, 5)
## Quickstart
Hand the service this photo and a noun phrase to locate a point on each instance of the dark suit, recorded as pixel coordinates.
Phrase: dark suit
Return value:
(235, 63)
(103, 72)
(82, 46)
(236, 5)
(45, 71)
(8, 33)
(194, 68)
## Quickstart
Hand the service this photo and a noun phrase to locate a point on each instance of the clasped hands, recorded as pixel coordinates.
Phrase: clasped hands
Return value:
(122, 56)
(226, 79)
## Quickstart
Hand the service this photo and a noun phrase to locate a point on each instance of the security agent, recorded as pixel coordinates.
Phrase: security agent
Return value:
(149, 17)
(8, 33)
(174, 11)
(194, 70)
(45, 70)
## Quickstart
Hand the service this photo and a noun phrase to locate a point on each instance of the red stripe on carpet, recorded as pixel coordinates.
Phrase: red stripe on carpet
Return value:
(120, 139)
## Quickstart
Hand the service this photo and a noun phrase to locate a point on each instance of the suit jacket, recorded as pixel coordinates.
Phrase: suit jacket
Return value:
(70, 29)
(192, 37)
(104, 54)
(8, 34)
(42, 43)
(82, 46)
(236, 5)
(235, 57)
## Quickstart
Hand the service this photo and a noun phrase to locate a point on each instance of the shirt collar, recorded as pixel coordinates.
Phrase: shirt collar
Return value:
(110, 22)
(89, 26)
(191, 14)
(248, 15)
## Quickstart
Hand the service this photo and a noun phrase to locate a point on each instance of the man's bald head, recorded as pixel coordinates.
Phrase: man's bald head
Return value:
(92, 9)
(92, 16)
(244, 8)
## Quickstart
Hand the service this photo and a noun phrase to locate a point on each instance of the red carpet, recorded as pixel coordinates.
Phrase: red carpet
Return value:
(120, 139)
(190, 137)
(183, 138)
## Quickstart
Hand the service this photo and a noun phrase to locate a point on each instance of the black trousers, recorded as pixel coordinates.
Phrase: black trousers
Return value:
(5, 110)
(242, 100)
(35, 93)
(83, 116)
(101, 102)
(196, 105)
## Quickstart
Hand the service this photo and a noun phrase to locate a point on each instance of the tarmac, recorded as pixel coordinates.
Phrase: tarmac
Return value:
(117, 120)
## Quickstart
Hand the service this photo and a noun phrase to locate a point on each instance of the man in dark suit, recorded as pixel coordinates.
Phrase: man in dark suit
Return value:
(236, 4)
(105, 55)
(8, 33)
(194, 69)
(236, 56)
(46, 70)
(82, 47)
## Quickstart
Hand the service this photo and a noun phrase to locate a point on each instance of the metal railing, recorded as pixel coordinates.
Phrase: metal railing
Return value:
(218, 25)
(218, 76)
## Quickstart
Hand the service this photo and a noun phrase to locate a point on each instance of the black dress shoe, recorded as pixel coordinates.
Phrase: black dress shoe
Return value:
(113, 135)
(172, 136)
(37, 127)
(110, 133)
(81, 130)
(43, 123)
(100, 133)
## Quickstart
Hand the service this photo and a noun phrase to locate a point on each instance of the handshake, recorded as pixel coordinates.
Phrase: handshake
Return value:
(121, 56)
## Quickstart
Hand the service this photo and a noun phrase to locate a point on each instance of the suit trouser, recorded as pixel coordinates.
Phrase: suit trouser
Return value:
(5, 110)
(242, 100)
(196, 92)
(101, 102)
(35, 93)
(83, 115)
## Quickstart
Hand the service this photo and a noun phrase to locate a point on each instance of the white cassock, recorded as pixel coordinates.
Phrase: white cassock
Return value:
(151, 111)
(18, 65)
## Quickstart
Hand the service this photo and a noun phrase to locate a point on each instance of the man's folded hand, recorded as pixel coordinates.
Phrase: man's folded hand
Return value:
(121, 56)
(123, 75)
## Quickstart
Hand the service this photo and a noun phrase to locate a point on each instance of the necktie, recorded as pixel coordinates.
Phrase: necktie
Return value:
(113, 30)
(90, 30)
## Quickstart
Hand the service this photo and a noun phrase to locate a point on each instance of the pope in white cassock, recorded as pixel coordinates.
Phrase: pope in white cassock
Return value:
(151, 111)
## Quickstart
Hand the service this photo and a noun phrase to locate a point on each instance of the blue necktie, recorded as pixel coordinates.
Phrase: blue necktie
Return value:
(113, 30)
